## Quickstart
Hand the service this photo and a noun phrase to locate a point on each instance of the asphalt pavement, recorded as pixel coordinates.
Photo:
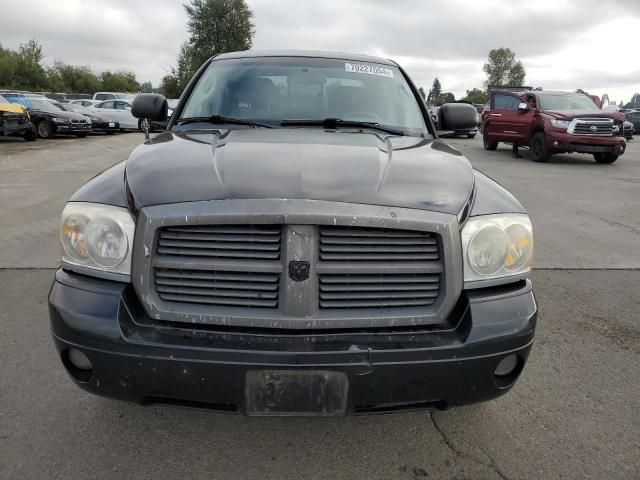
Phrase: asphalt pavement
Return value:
(573, 414)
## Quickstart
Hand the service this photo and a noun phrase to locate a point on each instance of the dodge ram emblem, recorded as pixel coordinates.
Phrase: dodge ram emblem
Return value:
(593, 128)
(299, 271)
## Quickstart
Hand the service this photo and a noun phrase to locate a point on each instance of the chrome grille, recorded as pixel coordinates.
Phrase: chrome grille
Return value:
(591, 126)
(416, 252)
(222, 241)
(210, 287)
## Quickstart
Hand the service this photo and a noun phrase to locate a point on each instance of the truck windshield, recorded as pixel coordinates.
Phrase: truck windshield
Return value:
(276, 89)
(567, 102)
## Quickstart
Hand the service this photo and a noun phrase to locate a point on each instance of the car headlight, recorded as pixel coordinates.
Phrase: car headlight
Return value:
(97, 239)
(89, 121)
(560, 123)
(496, 248)
(60, 120)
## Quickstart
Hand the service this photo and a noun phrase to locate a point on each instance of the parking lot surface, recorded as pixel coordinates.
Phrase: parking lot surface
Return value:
(573, 414)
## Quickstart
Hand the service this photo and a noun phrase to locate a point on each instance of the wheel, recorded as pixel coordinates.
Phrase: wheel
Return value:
(488, 144)
(30, 135)
(471, 135)
(44, 129)
(143, 123)
(81, 134)
(605, 157)
(538, 148)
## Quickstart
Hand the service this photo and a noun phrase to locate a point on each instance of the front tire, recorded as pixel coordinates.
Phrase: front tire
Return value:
(44, 130)
(605, 157)
(538, 148)
(488, 143)
(142, 124)
(30, 135)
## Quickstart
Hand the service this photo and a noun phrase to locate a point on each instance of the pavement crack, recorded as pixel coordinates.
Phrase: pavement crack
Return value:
(462, 454)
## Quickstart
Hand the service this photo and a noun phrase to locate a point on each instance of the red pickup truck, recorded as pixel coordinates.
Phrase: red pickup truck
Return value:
(551, 122)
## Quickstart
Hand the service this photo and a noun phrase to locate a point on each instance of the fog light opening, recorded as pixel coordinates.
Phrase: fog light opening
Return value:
(507, 370)
(77, 364)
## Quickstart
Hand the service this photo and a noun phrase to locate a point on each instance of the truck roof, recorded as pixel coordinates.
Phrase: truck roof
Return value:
(306, 53)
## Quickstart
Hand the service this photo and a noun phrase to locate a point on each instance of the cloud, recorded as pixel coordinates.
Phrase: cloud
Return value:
(562, 43)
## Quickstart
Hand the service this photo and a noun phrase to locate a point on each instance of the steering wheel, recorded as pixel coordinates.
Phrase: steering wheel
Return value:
(362, 117)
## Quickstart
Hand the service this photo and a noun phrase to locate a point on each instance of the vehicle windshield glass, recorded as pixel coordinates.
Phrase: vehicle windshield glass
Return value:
(567, 102)
(43, 105)
(125, 96)
(273, 89)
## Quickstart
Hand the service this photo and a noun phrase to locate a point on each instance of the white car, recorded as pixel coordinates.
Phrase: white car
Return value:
(119, 110)
(101, 96)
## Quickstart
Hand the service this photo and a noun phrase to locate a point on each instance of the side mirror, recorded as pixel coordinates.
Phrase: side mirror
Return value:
(457, 116)
(523, 107)
(150, 105)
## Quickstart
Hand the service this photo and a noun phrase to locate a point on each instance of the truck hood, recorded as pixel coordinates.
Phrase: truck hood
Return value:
(571, 114)
(302, 163)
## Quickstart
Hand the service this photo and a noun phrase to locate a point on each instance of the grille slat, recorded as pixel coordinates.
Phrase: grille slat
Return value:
(223, 265)
(378, 268)
(230, 302)
(233, 289)
(217, 292)
(221, 241)
(356, 244)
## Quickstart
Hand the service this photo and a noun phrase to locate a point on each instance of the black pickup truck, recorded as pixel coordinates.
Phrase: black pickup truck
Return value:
(298, 241)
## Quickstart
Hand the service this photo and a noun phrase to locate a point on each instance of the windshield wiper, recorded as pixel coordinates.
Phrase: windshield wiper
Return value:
(220, 120)
(338, 123)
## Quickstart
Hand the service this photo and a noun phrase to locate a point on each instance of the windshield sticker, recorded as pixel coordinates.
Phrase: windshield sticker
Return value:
(368, 69)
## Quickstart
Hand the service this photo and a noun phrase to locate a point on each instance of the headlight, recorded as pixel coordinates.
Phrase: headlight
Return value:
(89, 121)
(97, 239)
(560, 123)
(496, 248)
(60, 120)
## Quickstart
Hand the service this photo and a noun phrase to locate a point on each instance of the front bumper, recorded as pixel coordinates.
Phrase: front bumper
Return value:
(10, 128)
(105, 126)
(71, 128)
(563, 142)
(138, 359)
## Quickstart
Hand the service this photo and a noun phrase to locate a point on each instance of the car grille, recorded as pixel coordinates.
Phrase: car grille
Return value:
(238, 285)
(367, 247)
(297, 264)
(352, 266)
(212, 287)
(222, 241)
(592, 126)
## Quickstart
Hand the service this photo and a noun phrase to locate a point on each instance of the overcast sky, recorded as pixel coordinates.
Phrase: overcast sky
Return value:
(589, 44)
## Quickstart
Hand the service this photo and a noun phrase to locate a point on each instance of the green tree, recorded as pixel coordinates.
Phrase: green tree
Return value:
(121, 81)
(29, 74)
(68, 78)
(169, 86)
(8, 62)
(146, 87)
(422, 94)
(502, 68)
(448, 97)
(436, 91)
(475, 95)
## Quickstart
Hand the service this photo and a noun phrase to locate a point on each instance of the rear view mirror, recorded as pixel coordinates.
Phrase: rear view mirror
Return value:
(457, 116)
(150, 105)
(523, 107)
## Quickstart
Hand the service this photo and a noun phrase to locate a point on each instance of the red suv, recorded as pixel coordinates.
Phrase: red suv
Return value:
(553, 122)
